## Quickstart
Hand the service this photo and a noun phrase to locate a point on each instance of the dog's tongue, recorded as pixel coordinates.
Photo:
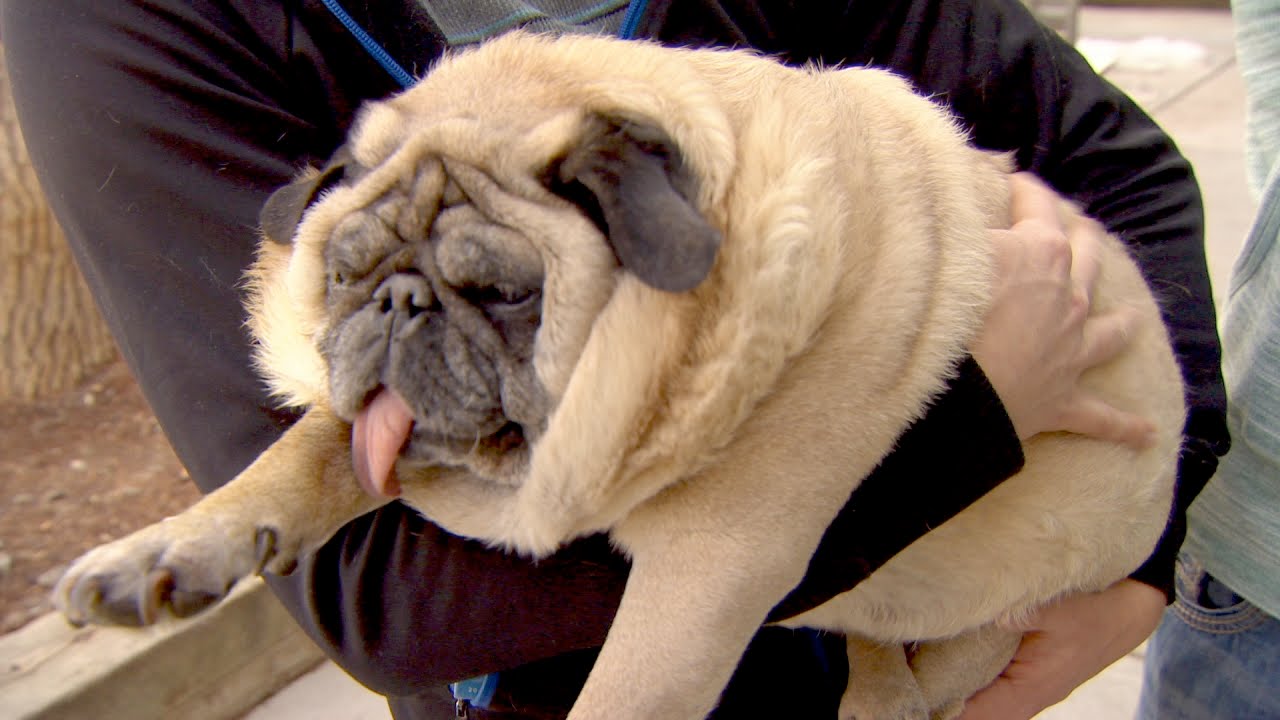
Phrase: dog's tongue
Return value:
(378, 434)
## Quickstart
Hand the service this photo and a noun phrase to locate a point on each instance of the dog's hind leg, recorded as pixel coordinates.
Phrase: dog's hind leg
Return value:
(881, 684)
(950, 671)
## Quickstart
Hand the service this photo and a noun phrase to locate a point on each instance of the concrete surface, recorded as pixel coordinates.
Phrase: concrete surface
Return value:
(325, 693)
(1180, 64)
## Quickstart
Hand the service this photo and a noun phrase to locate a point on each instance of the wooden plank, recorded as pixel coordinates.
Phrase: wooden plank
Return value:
(215, 666)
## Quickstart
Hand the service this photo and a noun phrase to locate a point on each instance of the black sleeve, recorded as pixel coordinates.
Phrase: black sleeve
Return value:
(158, 129)
(966, 434)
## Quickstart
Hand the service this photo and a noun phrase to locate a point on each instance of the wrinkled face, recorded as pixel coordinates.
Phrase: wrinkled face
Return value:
(459, 290)
(446, 317)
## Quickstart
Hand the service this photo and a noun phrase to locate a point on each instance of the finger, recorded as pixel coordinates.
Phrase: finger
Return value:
(1090, 416)
(1003, 699)
(1031, 199)
(1085, 238)
(1106, 336)
(1005, 243)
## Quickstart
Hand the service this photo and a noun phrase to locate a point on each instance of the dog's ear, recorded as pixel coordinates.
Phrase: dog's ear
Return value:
(646, 200)
(283, 211)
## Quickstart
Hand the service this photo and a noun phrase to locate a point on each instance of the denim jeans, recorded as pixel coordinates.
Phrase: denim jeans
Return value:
(1214, 657)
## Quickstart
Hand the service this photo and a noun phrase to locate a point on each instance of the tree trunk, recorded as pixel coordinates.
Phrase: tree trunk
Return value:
(51, 335)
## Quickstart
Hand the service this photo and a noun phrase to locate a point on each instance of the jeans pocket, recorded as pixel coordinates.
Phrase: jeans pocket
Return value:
(1206, 604)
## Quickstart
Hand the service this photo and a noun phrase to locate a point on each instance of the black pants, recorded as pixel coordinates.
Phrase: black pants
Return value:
(784, 674)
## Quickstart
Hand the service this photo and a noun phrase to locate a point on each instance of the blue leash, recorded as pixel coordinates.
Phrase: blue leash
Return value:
(371, 46)
(630, 22)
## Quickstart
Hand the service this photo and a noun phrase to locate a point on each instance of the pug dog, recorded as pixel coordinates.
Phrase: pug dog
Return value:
(687, 297)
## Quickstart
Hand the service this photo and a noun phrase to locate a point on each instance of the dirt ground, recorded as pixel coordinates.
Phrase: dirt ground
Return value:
(76, 470)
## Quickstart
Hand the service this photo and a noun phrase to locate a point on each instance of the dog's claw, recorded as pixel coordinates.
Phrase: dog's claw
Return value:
(264, 547)
(271, 556)
(91, 599)
(154, 594)
(79, 596)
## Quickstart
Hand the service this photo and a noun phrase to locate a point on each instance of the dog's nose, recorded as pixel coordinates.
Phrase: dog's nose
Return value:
(407, 293)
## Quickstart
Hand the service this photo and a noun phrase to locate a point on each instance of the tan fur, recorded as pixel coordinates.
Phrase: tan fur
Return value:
(716, 433)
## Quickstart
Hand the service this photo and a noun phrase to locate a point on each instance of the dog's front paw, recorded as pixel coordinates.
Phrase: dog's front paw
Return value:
(173, 566)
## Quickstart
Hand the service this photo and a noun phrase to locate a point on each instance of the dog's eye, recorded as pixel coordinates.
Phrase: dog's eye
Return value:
(491, 295)
(358, 244)
(345, 274)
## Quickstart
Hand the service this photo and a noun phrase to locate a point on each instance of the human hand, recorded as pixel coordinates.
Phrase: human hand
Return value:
(1039, 336)
(1064, 645)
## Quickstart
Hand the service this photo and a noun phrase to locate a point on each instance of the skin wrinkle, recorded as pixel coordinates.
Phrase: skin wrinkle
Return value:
(470, 329)
(454, 386)
(364, 251)
(356, 355)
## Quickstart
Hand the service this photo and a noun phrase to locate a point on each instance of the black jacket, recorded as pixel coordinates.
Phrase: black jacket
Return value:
(159, 128)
